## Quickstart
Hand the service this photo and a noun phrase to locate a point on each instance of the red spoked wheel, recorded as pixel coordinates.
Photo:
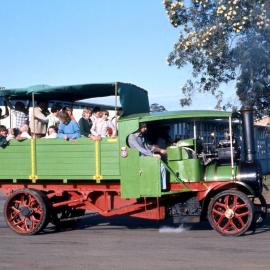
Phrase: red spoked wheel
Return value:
(26, 211)
(231, 213)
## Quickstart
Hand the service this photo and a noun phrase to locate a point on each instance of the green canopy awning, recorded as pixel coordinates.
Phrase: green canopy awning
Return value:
(133, 99)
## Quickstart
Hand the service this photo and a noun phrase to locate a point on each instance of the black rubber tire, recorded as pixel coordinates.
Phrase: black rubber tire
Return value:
(40, 199)
(260, 208)
(234, 220)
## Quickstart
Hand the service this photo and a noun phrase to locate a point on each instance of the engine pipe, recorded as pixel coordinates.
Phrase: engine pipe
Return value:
(248, 135)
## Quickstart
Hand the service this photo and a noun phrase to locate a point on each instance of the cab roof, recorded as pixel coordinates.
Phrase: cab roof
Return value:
(185, 114)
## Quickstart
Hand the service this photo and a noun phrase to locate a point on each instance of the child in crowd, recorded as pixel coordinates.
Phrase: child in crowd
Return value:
(53, 119)
(10, 135)
(85, 123)
(69, 111)
(96, 114)
(68, 129)
(24, 133)
(3, 136)
(103, 127)
(52, 132)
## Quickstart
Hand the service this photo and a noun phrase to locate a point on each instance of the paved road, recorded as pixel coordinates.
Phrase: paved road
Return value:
(124, 243)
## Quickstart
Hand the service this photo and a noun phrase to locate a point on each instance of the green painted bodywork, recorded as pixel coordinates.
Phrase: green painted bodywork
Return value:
(189, 170)
(216, 172)
(192, 114)
(139, 176)
(15, 160)
(57, 159)
(181, 161)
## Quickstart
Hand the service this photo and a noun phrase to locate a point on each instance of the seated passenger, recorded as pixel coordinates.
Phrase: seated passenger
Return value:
(52, 118)
(137, 140)
(24, 133)
(85, 123)
(68, 129)
(10, 135)
(103, 127)
(96, 118)
(3, 136)
(52, 132)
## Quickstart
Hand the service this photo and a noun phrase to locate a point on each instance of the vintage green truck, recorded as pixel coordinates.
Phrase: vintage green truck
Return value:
(49, 180)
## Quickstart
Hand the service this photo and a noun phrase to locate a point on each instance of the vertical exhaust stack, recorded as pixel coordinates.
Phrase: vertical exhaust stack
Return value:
(248, 134)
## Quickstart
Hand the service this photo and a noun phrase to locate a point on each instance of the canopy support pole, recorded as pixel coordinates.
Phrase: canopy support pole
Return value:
(98, 176)
(115, 107)
(231, 147)
(33, 175)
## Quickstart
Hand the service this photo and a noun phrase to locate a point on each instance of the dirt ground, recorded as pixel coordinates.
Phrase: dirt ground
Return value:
(266, 189)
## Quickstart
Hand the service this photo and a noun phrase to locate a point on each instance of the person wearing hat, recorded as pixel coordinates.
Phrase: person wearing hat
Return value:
(137, 141)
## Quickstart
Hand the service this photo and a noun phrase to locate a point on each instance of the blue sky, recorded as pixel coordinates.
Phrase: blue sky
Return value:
(61, 42)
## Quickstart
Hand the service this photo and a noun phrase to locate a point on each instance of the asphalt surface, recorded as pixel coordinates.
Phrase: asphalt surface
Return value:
(124, 243)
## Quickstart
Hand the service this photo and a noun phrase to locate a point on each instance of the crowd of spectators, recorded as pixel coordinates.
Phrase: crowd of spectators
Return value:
(59, 122)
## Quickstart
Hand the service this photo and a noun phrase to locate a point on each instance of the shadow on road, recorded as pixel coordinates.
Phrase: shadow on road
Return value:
(97, 222)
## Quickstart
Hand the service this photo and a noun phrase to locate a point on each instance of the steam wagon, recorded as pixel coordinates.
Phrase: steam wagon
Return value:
(49, 180)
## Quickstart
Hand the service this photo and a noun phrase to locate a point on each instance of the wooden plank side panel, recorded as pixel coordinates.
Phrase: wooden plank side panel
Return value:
(59, 159)
(15, 160)
(109, 151)
(65, 159)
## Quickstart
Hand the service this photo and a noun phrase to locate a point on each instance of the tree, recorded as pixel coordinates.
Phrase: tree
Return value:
(224, 40)
(155, 107)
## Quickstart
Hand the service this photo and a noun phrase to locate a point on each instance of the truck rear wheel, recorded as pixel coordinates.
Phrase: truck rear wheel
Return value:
(231, 213)
(26, 211)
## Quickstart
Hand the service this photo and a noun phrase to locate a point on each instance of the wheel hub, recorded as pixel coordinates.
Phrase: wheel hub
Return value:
(26, 211)
(229, 213)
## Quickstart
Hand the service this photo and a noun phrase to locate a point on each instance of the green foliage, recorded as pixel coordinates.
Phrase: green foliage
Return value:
(223, 40)
(157, 108)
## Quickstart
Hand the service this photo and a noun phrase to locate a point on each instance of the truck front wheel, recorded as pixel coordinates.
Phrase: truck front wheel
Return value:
(231, 213)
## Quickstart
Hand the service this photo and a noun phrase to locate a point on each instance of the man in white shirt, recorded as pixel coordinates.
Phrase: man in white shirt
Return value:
(39, 126)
